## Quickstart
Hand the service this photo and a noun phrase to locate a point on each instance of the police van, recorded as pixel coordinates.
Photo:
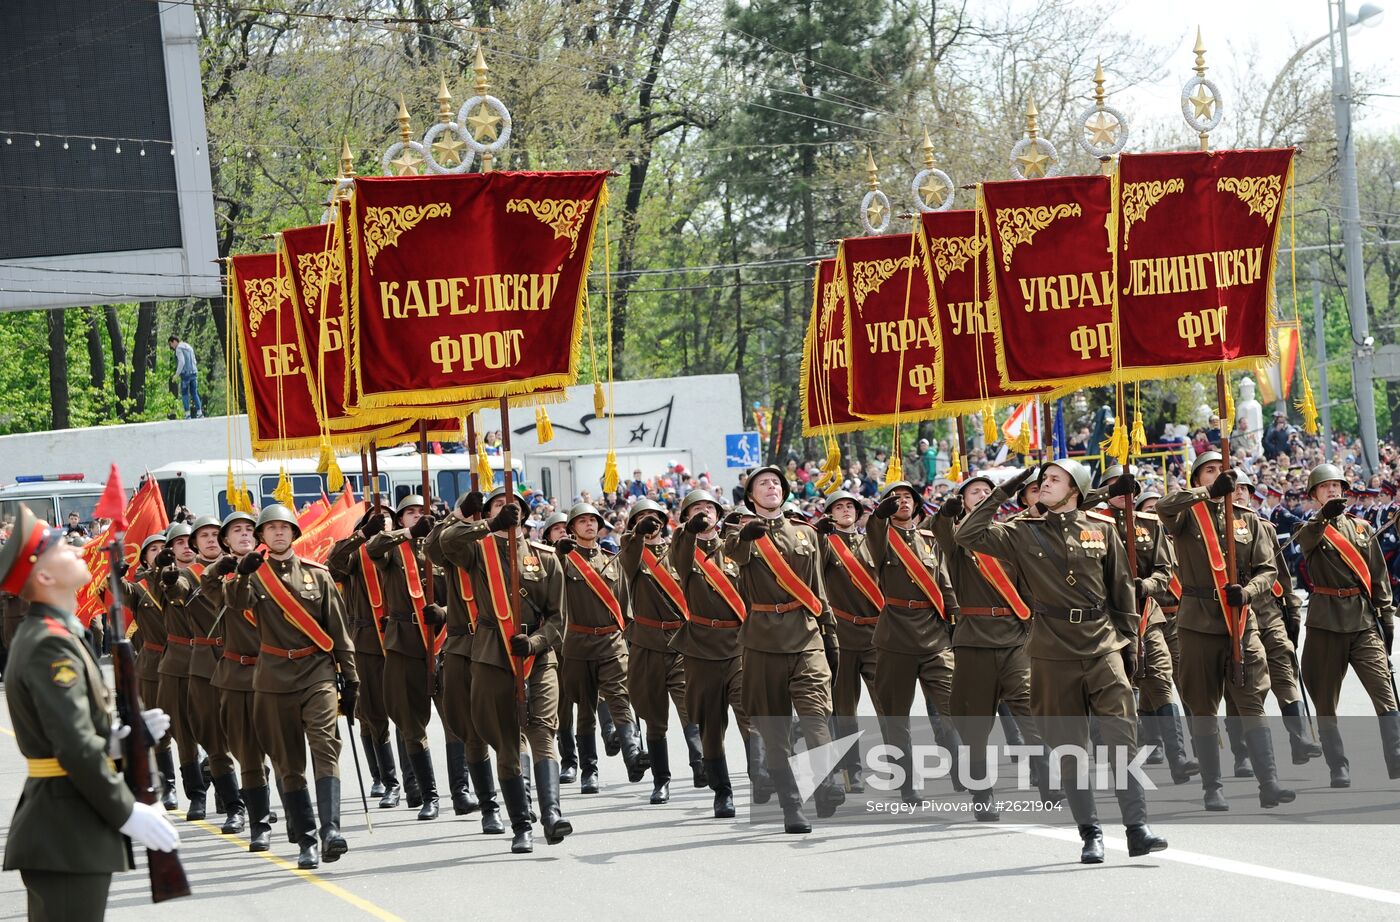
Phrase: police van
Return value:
(50, 497)
(202, 486)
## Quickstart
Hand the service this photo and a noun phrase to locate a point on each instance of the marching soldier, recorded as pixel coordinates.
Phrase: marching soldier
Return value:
(1082, 647)
(595, 662)
(66, 835)
(454, 680)
(172, 691)
(656, 672)
(143, 594)
(233, 677)
(554, 528)
(856, 602)
(709, 641)
(1280, 624)
(1350, 620)
(913, 640)
(1195, 518)
(990, 665)
(363, 591)
(413, 636)
(515, 676)
(1151, 584)
(199, 603)
(789, 639)
(303, 645)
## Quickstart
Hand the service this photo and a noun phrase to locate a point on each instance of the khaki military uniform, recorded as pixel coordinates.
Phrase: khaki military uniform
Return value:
(172, 689)
(199, 602)
(14, 611)
(856, 617)
(407, 691)
(655, 670)
(709, 644)
(64, 837)
(233, 678)
(1152, 551)
(295, 701)
(595, 659)
(365, 635)
(454, 677)
(1271, 612)
(144, 600)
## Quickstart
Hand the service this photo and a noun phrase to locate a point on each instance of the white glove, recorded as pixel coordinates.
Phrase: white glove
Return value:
(157, 723)
(147, 826)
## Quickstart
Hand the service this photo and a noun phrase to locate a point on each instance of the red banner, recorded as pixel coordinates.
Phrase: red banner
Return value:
(468, 287)
(1051, 263)
(1198, 233)
(282, 417)
(888, 316)
(954, 244)
(332, 526)
(825, 386)
(145, 515)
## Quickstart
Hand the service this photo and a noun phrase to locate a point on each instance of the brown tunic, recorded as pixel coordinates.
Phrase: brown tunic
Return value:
(843, 595)
(903, 629)
(1254, 558)
(991, 631)
(459, 622)
(344, 564)
(241, 639)
(1327, 568)
(649, 600)
(586, 610)
(700, 638)
(793, 631)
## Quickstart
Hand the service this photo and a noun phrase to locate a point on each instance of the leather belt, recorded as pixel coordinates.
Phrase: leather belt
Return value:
(299, 653)
(911, 604)
(408, 618)
(459, 630)
(1170, 609)
(1072, 615)
(657, 625)
(179, 641)
(240, 659)
(779, 609)
(859, 620)
(993, 612)
(206, 641)
(602, 631)
(153, 646)
(1336, 593)
(724, 624)
(1200, 592)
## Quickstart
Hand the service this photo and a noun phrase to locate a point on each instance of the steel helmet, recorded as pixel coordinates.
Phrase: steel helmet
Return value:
(985, 478)
(277, 513)
(1201, 461)
(642, 506)
(700, 496)
(235, 517)
(768, 469)
(906, 485)
(840, 495)
(1078, 473)
(1113, 472)
(1242, 478)
(1326, 473)
(152, 539)
(501, 491)
(580, 510)
(408, 502)
(178, 530)
(1146, 495)
(557, 518)
(204, 521)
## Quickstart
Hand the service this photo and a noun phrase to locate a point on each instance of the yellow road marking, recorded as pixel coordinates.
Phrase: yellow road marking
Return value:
(339, 892)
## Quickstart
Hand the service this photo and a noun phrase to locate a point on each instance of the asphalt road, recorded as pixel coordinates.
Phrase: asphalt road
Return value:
(630, 860)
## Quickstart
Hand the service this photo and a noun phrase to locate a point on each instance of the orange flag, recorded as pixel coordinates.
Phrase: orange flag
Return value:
(316, 541)
(145, 515)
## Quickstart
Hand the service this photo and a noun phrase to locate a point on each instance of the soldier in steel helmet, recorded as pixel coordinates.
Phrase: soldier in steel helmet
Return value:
(554, 528)
(172, 692)
(303, 644)
(1083, 642)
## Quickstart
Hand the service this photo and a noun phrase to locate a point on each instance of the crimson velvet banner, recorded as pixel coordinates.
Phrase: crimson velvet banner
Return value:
(967, 379)
(891, 349)
(1051, 263)
(825, 394)
(282, 417)
(467, 287)
(1199, 233)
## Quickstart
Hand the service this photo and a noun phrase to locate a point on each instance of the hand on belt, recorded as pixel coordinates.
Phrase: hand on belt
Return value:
(858, 620)
(299, 653)
(783, 608)
(912, 604)
(240, 659)
(719, 623)
(657, 625)
(602, 631)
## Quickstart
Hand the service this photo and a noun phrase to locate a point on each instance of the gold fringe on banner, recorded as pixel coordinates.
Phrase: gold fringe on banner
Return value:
(989, 425)
(1308, 406)
(955, 471)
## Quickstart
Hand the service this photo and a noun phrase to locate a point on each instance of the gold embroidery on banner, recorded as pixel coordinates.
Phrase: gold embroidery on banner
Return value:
(563, 215)
(1260, 193)
(950, 254)
(1016, 226)
(265, 296)
(868, 276)
(317, 270)
(831, 298)
(384, 225)
(1138, 197)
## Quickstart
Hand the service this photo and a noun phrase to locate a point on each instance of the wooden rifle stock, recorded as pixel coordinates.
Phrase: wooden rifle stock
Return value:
(168, 879)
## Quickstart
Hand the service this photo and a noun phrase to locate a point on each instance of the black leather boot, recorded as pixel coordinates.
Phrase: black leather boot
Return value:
(287, 811)
(1208, 752)
(412, 790)
(165, 764)
(1150, 737)
(761, 787)
(259, 803)
(195, 787)
(1092, 850)
(208, 778)
(1302, 749)
(1334, 752)
(422, 763)
(696, 753)
(1142, 841)
(612, 743)
(485, 783)
(1010, 726)
(794, 821)
(660, 770)
(717, 772)
(568, 758)
(1085, 813)
(1040, 777)
(458, 781)
(946, 735)
(235, 813)
(1132, 803)
(1390, 743)
(333, 844)
(587, 748)
(1261, 753)
(556, 828)
(518, 809)
(376, 787)
(984, 808)
(828, 796)
(392, 791)
(1169, 726)
(301, 821)
(630, 749)
(1238, 749)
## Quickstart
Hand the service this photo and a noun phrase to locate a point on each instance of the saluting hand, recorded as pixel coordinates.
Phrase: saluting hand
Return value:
(697, 523)
(1223, 485)
(887, 508)
(373, 525)
(1013, 486)
(507, 518)
(165, 558)
(169, 577)
(224, 565)
(647, 527)
(471, 504)
(952, 507)
(565, 546)
(420, 528)
(248, 564)
(753, 531)
(1333, 508)
(1123, 485)
(825, 526)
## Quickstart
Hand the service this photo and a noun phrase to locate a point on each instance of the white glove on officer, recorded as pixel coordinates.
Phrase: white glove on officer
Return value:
(148, 827)
(157, 723)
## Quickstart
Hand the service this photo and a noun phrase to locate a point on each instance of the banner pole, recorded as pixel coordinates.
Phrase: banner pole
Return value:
(512, 550)
(471, 451)
(1231, 571)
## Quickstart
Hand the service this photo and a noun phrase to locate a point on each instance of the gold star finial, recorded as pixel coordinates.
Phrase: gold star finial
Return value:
(1032, 120)
(927, 148)
(875, 214)
(872, 175)
(1202, 101)
(406, 163)
(405, 133)
(1200, 51)
(1102, 130)
(1098, 83)
(1033, 163)
(479, 68)
(483, 122)
(347, 159)
(932, 190)
(444, 100)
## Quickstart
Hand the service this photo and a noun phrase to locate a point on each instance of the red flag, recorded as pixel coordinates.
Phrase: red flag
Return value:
(112, 504)
(313, 513)
(142, 517)
(316, 541)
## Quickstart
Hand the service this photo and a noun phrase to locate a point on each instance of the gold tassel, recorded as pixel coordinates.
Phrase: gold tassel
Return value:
(1227, 412)
(1309, 407)
(231, 491)
(989, 426)
(328, 465)
(1021, 445)
(1139, 437)
(610, 475)
(283, 494)
(244, 498)
(484, 474)
(955, 471)
(598, 403)
(544, 429)
(1117, 444)
(895, 472)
